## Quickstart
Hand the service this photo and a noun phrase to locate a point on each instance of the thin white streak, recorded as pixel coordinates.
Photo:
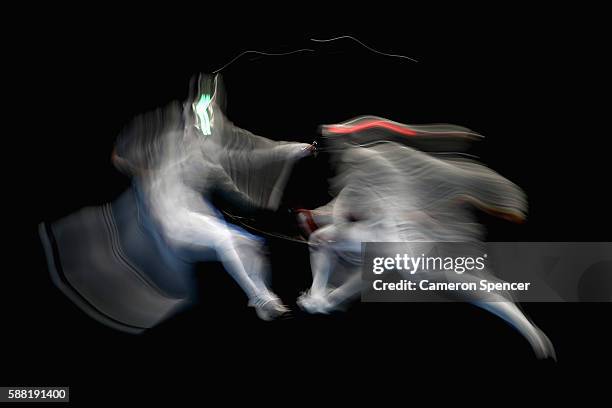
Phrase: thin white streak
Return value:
(273, 54)
(364, 45)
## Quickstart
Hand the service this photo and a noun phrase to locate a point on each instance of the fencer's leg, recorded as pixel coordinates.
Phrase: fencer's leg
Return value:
(253, 257)
(501, 305)
(508, 311)
(332, 244)
(345, 292)
(322, 260)
(314, 300)
(348, 248)
(266, 304)
(334, 298)
(199, 233)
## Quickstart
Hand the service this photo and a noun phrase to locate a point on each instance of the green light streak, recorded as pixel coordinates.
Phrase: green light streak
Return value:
(201, 110)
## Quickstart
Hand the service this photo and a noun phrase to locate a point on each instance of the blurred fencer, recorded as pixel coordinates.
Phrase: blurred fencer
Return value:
(130, 263)
(387, 191)
(204, 158)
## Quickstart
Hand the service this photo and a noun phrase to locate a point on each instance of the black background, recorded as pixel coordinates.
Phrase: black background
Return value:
(528, 80)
